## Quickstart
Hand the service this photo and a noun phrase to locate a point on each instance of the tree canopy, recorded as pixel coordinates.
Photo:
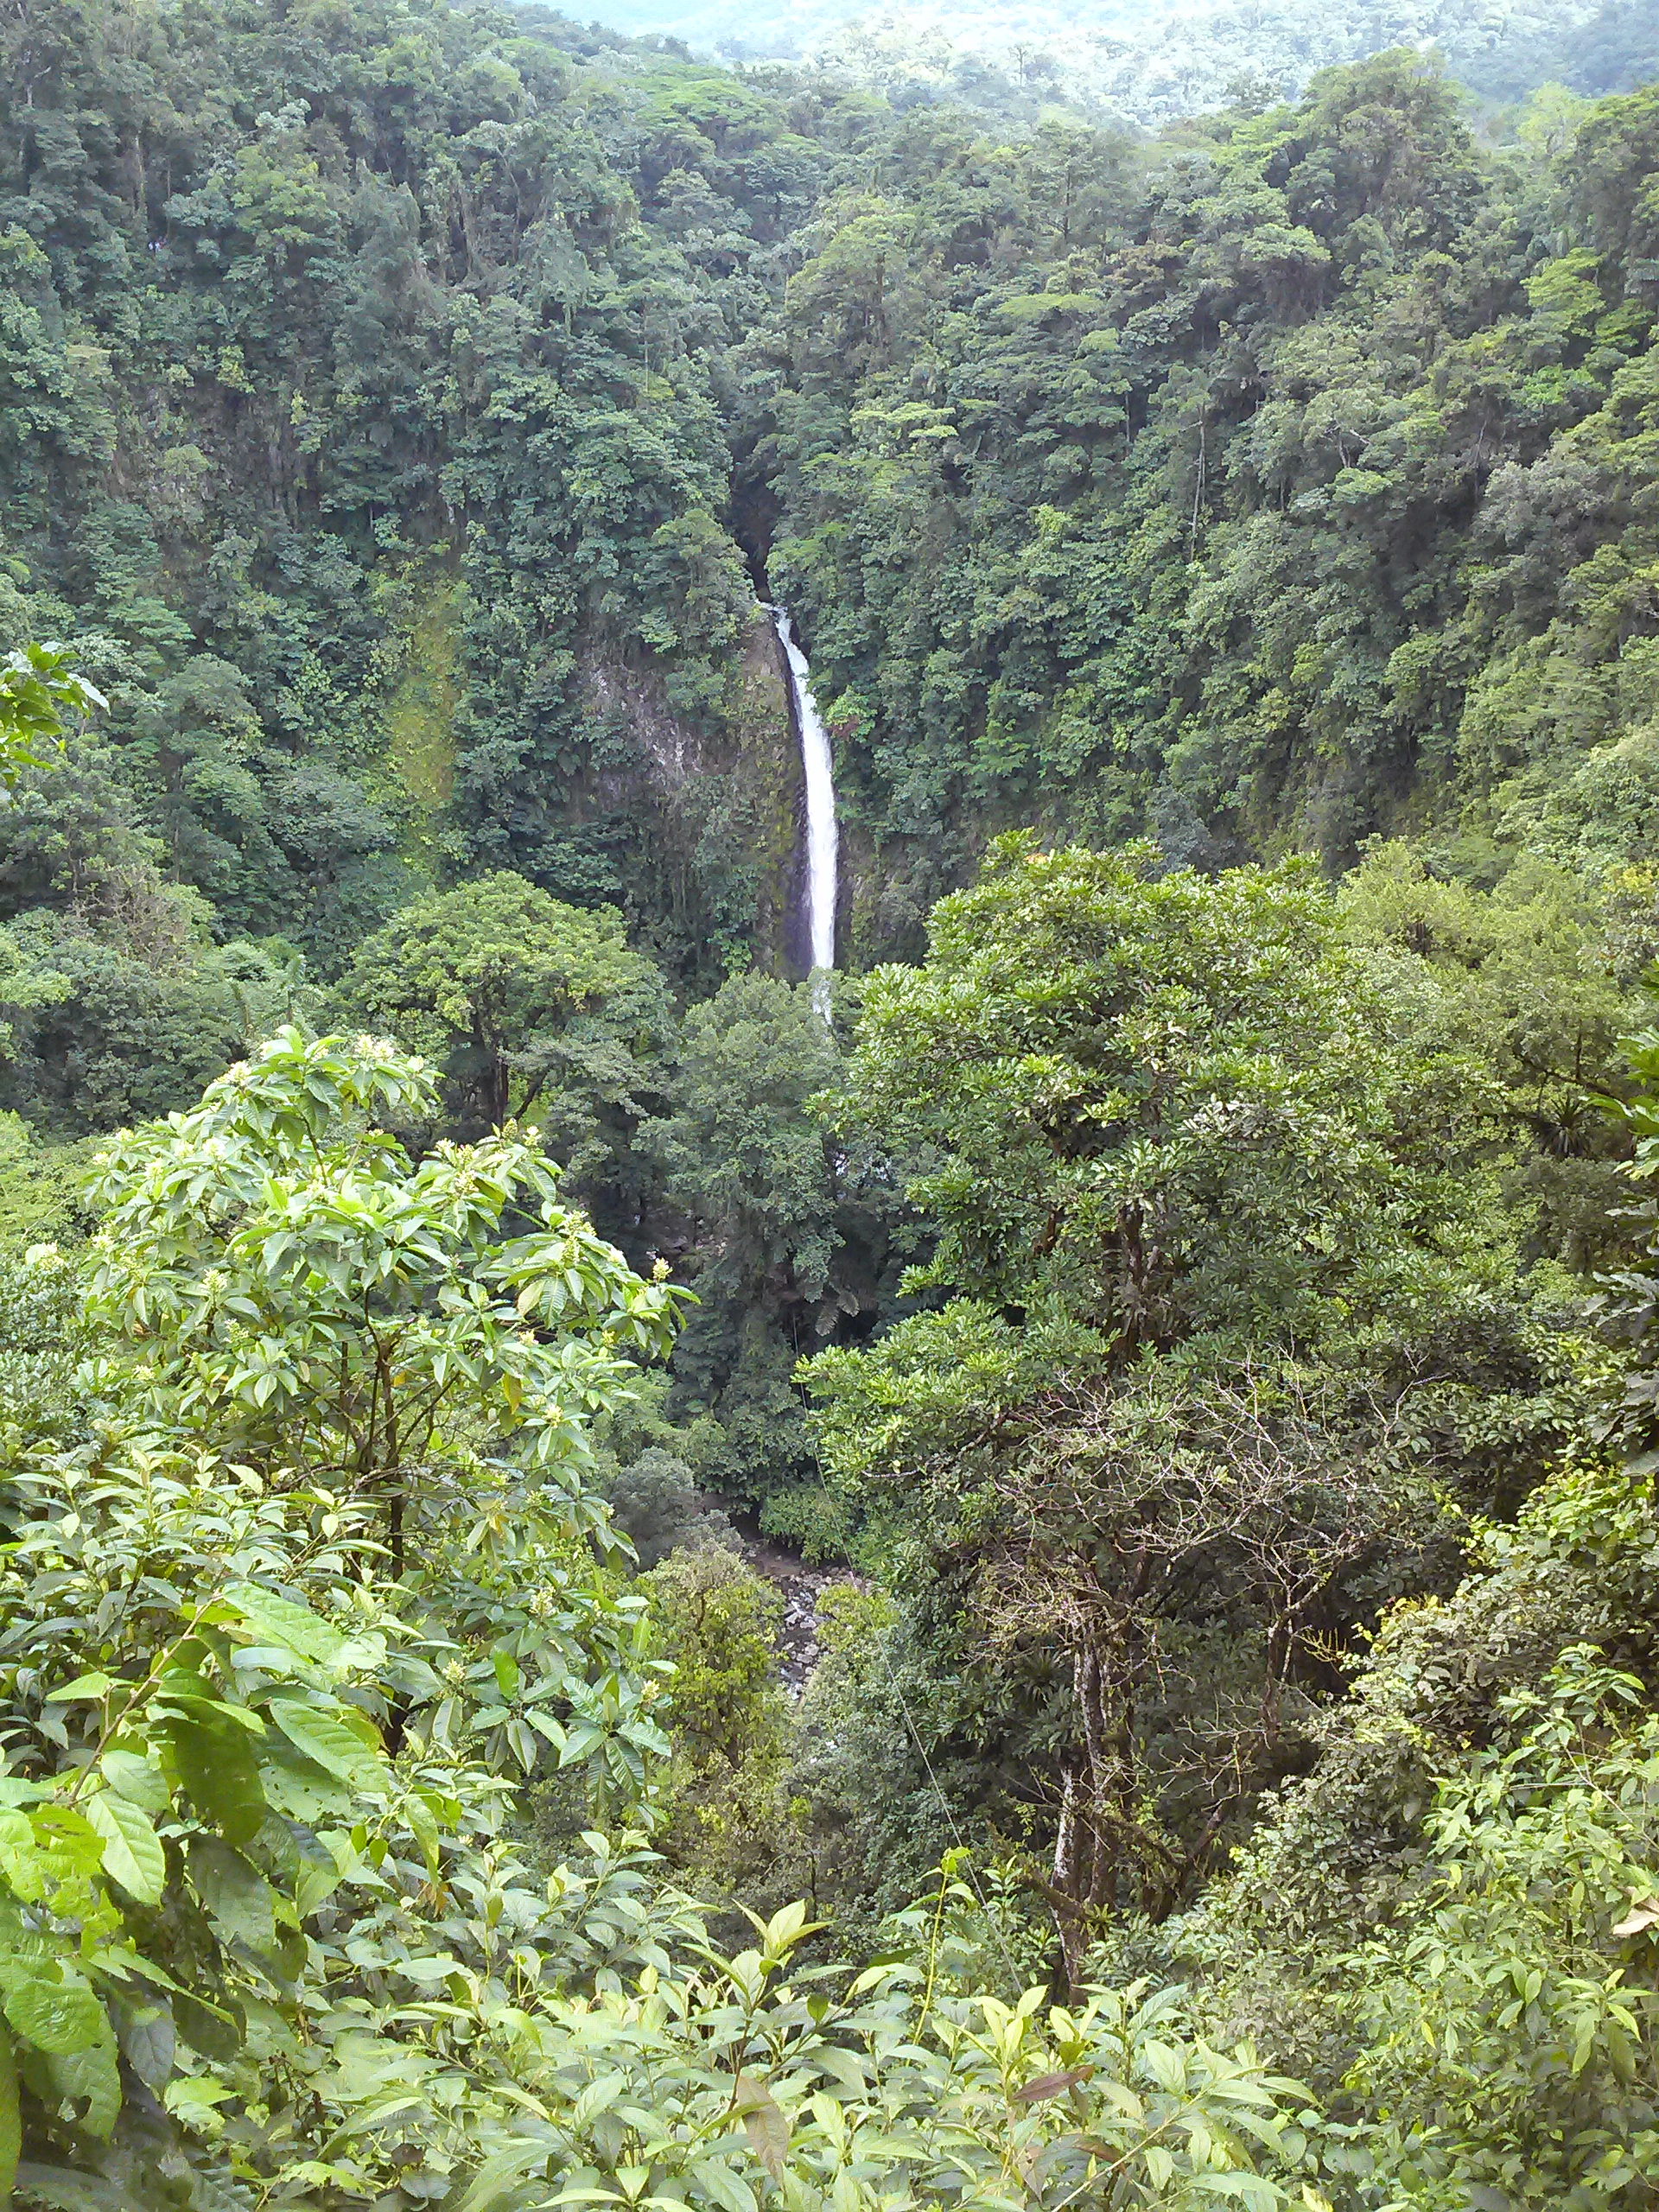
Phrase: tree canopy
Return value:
(1017, 1577)
(534, 1009)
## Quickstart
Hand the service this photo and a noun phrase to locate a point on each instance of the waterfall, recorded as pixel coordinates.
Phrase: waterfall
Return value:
(822, 834)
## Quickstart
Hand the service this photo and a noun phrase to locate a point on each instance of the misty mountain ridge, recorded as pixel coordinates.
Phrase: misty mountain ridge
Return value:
(1150, 65)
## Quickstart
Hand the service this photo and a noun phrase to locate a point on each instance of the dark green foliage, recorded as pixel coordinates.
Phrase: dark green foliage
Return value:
(397, 385)
(248, 1733)
(1444, 1927)
(742, 1153)
(656, 1503)
(1281, 486)
(1617, 52)
(790, 1234)
(1169, 1289)
(1236, 1327)
(369, 365)
(109, 1038)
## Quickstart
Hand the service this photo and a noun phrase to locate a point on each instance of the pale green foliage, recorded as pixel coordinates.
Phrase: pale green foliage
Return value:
(39, 692)
(1526, 976)
(1212, 1217)
(747, 2083)
(723, 1799)
(718, 1621)
(290, 1323)
(200, 1733)
(1170, 1105)
(299, 1288)
(1633, 1293)
(1508, 2020)
(1447, 1924)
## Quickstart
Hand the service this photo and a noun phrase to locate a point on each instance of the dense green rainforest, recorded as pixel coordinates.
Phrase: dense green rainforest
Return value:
(1188, 1294)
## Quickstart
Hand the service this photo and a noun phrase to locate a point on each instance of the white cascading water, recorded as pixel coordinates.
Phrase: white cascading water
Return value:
(823, 832)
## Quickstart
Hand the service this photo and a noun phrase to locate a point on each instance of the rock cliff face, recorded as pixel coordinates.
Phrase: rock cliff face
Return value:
(709, 809)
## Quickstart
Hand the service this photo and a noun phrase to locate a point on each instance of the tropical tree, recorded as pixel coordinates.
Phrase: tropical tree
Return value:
(286, 1339)
(532, 1009)
(304, 1292)
(1204, 1220)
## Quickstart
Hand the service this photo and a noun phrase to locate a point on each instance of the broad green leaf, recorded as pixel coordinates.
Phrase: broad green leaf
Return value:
(424, 1828)
(216, 2031)
(132, 1851)
(786, 1928)
(93, 2078)
(51, 2005)
(68, 1836)
(241, 1902)
(22, 1865)
(312, 1886)
(194, 2100)
(295, 1628)
(599, 2096)
(431, 1968)
(499, 2176)
(147, 2042)
(579, 1743)
(1248, 2189)
(64, 2191)
(298, 1787)
(135, 1779)
(333, 1746)
(84, 1686)
(375, 2114)
(729, 2190)
(1164, 2064)
(219, 1767)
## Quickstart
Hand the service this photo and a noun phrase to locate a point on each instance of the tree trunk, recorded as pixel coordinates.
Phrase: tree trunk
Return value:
(1072, 1847)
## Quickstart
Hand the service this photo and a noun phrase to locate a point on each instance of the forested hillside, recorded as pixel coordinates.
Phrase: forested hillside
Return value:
(1282, 497)
(1147, 63)
(1018, 1577)
(400, 417)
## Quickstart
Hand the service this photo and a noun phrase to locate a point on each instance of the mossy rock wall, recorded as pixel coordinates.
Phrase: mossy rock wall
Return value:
(711, 818)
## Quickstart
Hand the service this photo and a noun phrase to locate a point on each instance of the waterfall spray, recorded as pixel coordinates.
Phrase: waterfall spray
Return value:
(823, 832)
